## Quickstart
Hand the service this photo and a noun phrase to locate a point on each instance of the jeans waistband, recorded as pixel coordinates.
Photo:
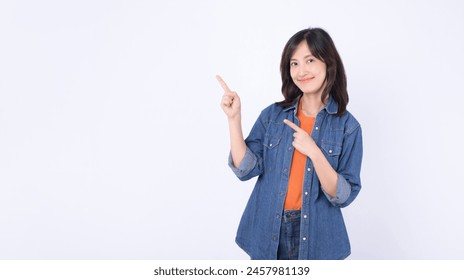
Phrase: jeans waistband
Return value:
(289, 216)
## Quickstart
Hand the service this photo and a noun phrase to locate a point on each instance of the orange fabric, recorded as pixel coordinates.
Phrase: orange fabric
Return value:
(297, 170)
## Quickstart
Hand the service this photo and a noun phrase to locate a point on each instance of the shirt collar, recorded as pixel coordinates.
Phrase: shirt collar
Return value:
(331, 107)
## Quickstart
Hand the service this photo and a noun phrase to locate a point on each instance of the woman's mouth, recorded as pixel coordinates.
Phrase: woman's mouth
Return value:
(305, 80)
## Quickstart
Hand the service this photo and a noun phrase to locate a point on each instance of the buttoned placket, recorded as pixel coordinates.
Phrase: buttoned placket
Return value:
(278, 213)
(284, 183)
(304, 223)
(307, 185)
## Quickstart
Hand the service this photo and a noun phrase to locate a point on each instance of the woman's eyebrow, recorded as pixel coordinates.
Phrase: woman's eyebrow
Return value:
(306, 56)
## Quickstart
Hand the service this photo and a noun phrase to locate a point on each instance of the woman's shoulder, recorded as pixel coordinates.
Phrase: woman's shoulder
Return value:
(273, 113)
(350, 123)
(273, 110)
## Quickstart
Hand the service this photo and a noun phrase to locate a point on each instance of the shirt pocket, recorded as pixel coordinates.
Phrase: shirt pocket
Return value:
(271, 153)
(271, 142)
(332, 152)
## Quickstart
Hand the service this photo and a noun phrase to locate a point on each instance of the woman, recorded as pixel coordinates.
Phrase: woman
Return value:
(306, 151)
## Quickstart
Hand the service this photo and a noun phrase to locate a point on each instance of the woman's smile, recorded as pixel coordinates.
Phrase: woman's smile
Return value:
(305, 80)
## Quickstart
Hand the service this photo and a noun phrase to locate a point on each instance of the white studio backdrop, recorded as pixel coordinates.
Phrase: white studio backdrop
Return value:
(113, 144)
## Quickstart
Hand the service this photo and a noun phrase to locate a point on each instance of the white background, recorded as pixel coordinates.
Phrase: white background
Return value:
(113, 144)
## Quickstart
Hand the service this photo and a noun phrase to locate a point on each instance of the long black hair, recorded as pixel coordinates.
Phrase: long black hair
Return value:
(322, 47)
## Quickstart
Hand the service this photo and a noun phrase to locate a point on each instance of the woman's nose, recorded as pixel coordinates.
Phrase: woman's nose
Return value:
(303, 71)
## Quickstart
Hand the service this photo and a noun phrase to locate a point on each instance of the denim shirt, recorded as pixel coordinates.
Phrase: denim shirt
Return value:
(269, 156)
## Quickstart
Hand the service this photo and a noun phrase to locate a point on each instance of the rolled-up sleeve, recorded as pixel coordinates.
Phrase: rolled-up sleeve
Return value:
(343, 192)
(247, 164)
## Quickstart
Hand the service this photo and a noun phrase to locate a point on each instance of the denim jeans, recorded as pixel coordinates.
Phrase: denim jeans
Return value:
(289, 241)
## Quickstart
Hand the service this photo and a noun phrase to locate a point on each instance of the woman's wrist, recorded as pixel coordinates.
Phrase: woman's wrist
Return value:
(234, 119)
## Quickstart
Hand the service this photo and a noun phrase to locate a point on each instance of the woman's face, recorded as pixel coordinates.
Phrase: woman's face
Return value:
(307, 72)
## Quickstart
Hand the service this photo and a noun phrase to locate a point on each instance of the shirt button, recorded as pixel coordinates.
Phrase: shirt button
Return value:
(289, 148)
(304, 238)
(330, 151)
(306, 193)
(274, 238)
(270, 145)
(282, 194)
(305, 216)
(317, 128)
(309, 169)
(285, 170)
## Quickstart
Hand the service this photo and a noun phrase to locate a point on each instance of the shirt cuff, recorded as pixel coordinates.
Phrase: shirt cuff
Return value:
(343, 192)
(246, 165)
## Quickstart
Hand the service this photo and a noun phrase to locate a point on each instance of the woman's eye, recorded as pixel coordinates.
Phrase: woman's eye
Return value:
(310, 60)
(293, 64)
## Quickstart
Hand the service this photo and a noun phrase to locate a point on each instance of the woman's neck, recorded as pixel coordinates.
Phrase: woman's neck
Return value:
(311, 104)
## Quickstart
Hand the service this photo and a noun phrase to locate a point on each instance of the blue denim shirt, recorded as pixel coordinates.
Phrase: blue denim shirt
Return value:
(269, 156)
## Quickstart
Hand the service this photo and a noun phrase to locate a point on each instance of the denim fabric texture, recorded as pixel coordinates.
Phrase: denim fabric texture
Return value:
(269, 155)
(289, 241)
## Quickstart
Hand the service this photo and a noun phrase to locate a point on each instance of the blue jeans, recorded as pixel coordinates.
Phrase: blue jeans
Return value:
(289, 241)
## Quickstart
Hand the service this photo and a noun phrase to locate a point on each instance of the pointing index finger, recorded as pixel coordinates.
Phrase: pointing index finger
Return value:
(223, 84)
(292, 125)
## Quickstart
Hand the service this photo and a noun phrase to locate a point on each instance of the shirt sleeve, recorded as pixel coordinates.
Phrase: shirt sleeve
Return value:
(349, 169)
(252, 163)
(343, 192)
(246, 165)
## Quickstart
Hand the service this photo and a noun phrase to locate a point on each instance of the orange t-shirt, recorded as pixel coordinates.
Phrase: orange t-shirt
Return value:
(297, 170)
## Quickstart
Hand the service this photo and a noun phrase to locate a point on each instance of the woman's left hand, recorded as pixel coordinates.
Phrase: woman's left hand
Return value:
(302, 141)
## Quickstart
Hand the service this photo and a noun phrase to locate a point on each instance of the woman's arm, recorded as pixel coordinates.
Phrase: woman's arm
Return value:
(237, 144)
(326, 174)
(305, 144)
(231, 106)
(342, 186)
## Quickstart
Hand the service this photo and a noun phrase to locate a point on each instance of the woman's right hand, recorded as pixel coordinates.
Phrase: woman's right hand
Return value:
(230, 102)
